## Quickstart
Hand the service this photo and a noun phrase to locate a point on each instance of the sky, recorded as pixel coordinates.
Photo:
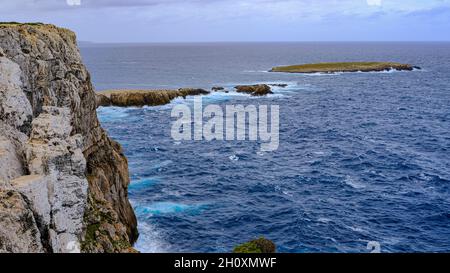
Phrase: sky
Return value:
(132, 21)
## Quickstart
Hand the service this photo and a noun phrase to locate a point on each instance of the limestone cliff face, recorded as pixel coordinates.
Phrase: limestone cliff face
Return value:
(63, 181)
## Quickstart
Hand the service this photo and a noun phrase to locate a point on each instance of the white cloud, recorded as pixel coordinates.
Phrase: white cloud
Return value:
(374, 2)
(73, 2)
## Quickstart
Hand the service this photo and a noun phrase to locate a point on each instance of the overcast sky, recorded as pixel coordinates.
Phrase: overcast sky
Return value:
(239, 20)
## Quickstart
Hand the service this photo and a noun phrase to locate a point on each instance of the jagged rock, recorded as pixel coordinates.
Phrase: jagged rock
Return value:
(254, 90)
(184, 92)
(217, 88)
(56, 154)
(15, 109)
(282, 85)
(127, 98)
(15, 116)
(18, 229)
(102, 100)
(36, 189)
(10, 164)
(67, 176)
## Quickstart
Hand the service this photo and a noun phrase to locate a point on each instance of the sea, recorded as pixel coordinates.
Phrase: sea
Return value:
(363, 158)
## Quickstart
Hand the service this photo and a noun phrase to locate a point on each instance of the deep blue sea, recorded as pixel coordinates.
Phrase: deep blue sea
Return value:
(363, 156)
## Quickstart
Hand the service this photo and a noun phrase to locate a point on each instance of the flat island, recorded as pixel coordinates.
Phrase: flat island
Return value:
(344, 67)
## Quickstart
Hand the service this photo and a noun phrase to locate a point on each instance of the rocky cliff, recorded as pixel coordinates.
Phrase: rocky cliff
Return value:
(63, 181)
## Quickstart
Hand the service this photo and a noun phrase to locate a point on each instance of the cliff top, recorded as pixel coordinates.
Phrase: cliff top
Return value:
(32, 27)
(31, 24)
(21, 24)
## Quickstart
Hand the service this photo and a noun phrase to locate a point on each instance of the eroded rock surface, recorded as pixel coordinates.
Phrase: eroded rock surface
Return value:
(63, 181)
(127, 98)
(19, 232)
(254, 90)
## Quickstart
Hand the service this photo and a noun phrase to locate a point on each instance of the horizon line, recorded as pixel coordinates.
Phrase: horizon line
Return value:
(254, 42)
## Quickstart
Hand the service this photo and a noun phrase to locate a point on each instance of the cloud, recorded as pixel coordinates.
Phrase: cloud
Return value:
(301, 7)
(430, 13)
(374, 2)
(66, 4)
(163, 20)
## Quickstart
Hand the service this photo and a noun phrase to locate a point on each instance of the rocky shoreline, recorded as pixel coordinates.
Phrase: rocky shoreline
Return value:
(139, 98)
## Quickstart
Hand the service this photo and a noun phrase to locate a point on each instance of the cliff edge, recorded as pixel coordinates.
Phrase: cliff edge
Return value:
(63, 181)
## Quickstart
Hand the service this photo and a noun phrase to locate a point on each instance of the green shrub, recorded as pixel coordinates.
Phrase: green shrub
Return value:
(261, 245)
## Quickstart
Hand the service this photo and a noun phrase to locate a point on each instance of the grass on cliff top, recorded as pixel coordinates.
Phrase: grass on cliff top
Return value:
(338, 67)
(20, 24)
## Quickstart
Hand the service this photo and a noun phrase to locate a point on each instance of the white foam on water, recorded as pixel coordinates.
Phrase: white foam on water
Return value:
(288, 193)
(256, 71)
(324, 220)
(143, 183)
(128, 62)
(354, 183)
(356, 229)
(150, 240)
(388, 71)
(156, 164)
(159, 208)
(109, 114)
(320, 74)
(222, 96)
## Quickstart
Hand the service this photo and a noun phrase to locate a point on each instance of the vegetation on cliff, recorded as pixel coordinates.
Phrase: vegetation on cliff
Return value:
(20, 24)
(261, 245)
(343, 67)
